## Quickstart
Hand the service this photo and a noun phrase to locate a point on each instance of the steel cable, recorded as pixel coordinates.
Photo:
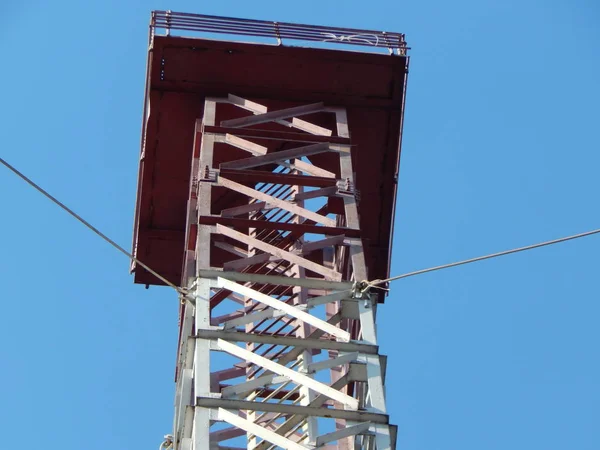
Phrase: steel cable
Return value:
(377, 283)
(365, 284)
(90, 226)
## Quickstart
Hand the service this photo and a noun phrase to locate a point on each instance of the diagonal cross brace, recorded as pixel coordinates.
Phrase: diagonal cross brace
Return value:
(286, 308)
(274, 115)
(257, 108)
(287, 206)
(296, 377)
(243, 144)
(251, 427)
(276, 157)
(280, 253)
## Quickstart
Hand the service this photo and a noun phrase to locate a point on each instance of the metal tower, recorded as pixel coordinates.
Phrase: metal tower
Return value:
(267, 188)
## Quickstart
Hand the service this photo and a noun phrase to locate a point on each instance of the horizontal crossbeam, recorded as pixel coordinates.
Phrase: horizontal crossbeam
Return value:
(323, 192)
(300, 228)
(323, 344)
(283, 155)
(315, 283)
(329, 363)
(355, 416)
(274, 135)
(273, 157)
(263, 176)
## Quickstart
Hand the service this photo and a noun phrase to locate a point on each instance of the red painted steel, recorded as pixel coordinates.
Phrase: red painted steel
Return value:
(182, 72)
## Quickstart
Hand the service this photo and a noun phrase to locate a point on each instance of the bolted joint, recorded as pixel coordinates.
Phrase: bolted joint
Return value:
(208, 175)
(361, 289)
(346, 188)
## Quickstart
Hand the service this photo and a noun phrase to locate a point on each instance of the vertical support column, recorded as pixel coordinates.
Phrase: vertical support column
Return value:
(202, 353)
(189, 263)
(351, 214)
(367, 306)
(201, 434)
(310, 428)
(252, 439)
(268, 297)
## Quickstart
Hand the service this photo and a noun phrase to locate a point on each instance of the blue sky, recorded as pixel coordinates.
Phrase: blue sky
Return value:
(500, 150)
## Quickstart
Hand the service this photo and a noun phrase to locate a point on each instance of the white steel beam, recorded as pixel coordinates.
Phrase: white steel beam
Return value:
(248, 386)
(311, 246)
(267, 435)
(293, 421)
(329, 363)
(324, 344)
(282, 155)
(307, 282)
(345, 432)
(324, 299)
(285, 205)
(267, 313)
(250, 261)
(244, 209)
(310, 127)
(311, 169)
(246, 104)
(244, 144)
(287, 417)
(296, 377)
(257, 108)
(237, 251)
(184, 397)
(322, 192)
(293, 410)
(273, 115)
(278, 252)
(244, 388)
(286, 308)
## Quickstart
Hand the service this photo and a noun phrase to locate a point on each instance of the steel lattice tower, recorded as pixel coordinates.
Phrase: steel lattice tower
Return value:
(270, 197)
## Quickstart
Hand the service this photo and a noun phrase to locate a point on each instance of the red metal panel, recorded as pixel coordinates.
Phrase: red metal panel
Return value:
(184, 71)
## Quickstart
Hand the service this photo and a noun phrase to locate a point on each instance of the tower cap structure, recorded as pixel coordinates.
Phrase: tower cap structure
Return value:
(310, 68)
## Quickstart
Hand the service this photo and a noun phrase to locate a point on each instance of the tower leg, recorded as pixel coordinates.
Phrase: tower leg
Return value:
(280, 348)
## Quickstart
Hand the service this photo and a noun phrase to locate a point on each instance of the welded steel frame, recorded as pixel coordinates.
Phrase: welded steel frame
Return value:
(292, 316)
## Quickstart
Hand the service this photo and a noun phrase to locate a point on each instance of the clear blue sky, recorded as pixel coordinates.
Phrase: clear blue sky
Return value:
(501, 149)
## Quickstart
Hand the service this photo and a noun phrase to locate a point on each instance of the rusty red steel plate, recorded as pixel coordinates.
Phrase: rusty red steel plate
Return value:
(182, 72)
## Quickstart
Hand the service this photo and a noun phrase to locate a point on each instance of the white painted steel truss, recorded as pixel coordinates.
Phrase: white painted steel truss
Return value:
(279, 349)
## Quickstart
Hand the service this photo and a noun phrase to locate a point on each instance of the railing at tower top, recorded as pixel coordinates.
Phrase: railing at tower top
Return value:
(169, 20)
